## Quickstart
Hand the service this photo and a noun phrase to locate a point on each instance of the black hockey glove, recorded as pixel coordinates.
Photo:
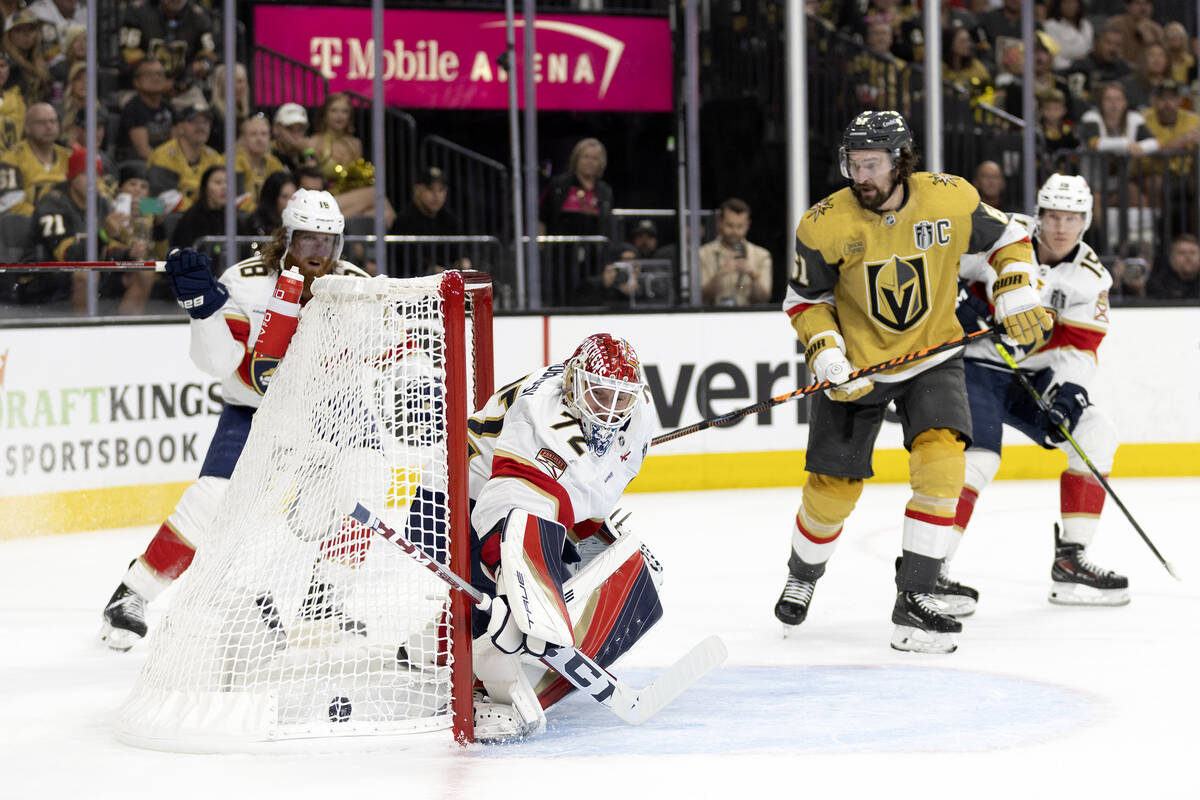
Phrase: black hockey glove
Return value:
(1070, 399)
(190, 275)
(971, 308)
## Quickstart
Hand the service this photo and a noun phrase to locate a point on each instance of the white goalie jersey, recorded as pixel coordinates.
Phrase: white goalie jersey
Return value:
(528, 452)
(1075, 291)
(222, 345)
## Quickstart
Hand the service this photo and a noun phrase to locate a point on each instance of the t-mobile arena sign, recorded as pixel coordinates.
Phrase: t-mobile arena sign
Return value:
(448, 59)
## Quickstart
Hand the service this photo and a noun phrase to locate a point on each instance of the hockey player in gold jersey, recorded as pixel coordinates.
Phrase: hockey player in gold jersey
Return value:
(875, 277)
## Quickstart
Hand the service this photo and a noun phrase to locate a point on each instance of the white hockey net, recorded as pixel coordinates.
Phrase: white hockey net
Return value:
(294, 621)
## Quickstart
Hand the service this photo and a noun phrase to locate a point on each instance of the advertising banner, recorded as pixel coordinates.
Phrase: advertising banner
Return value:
(448, 59)
(99, 417)
(111, 406)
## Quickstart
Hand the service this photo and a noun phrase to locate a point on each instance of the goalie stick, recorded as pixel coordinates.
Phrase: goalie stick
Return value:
(813, 388)
(634, 706)
(1044, 407)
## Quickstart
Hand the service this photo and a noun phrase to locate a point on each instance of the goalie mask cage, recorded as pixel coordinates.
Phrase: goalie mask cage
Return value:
(294, 622)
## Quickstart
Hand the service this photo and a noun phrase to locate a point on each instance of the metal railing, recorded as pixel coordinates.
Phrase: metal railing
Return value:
(479, 192)
(400, 136)
(276, 79)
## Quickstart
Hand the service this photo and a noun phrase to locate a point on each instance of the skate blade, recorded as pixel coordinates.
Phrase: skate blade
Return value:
(117, 639)
(1076, 594)
(915, 640)
(788, 630)
(956, 605)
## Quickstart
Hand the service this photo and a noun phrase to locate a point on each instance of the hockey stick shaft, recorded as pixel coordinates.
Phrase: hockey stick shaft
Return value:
(1044, 407)
(899, 361)
(632, 705)
(78, 266)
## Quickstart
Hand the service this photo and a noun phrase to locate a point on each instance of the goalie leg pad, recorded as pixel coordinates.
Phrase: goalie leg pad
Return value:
(614, 601)
(532, 576)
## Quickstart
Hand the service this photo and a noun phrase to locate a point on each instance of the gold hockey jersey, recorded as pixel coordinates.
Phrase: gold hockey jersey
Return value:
(169, 168)
(888, 281)
(21, 170)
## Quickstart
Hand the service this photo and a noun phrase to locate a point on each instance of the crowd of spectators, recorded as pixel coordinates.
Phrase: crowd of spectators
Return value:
(164, 122)
(1114, 85)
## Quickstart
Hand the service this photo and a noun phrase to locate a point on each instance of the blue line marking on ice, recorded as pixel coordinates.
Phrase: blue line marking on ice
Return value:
(820, 709)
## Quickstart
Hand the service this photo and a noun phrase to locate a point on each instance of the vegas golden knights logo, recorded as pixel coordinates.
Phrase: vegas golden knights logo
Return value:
(899, 291)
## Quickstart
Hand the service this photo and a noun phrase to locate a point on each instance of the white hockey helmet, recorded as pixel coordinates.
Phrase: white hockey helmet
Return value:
(602, 384)
(316, 211)
(1065, 193)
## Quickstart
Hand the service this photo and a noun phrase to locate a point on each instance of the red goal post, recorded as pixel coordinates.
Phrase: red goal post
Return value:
(290, 624)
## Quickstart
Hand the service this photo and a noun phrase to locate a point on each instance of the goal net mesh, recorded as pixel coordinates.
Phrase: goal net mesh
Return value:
(294, 621)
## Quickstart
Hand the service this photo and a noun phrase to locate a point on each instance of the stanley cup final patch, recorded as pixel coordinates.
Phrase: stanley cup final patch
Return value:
(552, 461)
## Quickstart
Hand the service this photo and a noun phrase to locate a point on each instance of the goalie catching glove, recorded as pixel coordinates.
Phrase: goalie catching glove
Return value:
(826, 356)
(1018, 307)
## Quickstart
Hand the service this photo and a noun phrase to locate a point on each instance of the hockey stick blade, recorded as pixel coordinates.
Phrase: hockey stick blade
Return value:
(672, 682)
(634, 706)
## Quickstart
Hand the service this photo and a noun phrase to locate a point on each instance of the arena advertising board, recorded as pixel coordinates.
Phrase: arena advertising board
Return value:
(448, 59)
(107, 406)
(83, 410)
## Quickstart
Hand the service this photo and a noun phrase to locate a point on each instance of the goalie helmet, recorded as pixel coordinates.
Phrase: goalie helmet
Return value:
(602, 384)
(1065, 193)
(875, 130)
(315, 211)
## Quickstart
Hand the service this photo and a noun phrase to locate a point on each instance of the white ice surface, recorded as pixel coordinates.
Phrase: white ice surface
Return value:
(1040, 701)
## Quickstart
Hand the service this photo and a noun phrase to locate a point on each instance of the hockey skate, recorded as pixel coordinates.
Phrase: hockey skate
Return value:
(921, 626)
(321, 605)
(957, 599)
(792, 606)
(496, 723)
(1075, 581)
(272, 621)
(124, 619)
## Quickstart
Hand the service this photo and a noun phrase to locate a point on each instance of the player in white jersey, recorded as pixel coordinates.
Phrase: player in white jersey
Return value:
(226, 317)
(550, 456)
(1074, 287)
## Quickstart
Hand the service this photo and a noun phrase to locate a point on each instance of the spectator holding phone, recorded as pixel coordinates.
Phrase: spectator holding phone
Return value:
(733, 271)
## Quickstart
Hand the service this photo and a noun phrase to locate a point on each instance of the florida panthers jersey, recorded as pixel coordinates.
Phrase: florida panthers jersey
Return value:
(888, 281)
(528, 452)
(223, 344)
(1075, 292)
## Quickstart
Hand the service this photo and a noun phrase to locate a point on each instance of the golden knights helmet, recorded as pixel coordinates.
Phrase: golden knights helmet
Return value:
(875, 130)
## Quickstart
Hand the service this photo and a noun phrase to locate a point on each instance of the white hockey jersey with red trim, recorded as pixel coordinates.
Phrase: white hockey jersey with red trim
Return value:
(1075, 291)
(222, 345)
(528, 452)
